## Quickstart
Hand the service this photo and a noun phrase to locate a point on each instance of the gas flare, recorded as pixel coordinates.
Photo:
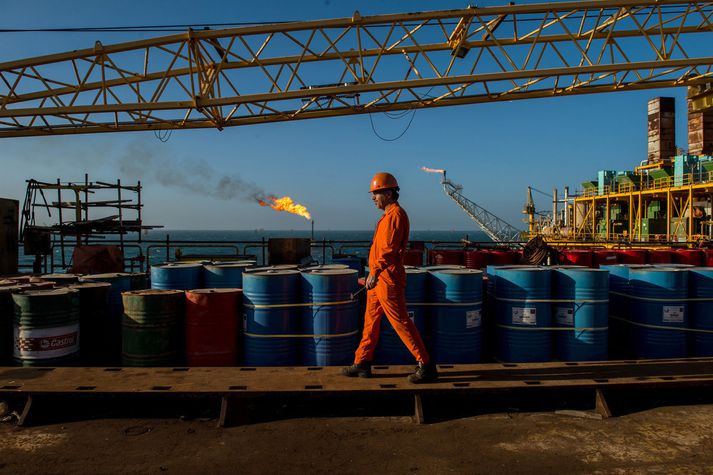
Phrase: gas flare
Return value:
(433, 170)
(285, 204)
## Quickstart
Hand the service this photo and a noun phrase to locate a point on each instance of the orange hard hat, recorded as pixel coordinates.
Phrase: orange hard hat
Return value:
(383, 181)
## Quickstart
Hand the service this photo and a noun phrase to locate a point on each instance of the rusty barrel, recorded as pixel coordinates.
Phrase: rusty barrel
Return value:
(93, 308)
(212, 326)
(150, 327)
(46, 327)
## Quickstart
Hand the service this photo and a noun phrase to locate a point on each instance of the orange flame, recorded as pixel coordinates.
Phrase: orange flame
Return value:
(433, 170)
(285, 204)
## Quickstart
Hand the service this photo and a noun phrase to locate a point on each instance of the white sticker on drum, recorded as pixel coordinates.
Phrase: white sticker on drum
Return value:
(524, 316)
(44, 343)
(565, 316)
(245, 322)
(412, 315)
(672, 314)
(472, 319)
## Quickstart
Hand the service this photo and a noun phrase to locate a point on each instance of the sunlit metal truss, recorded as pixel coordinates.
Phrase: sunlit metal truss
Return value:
(326, 68)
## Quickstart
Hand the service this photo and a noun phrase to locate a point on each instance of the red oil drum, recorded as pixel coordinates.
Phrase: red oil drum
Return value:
(503, 257)
(631, 256)
(212, 325)
(708, 257)
(693, 257)
(661, 256)
(413, 257)
(476, 259)
(441, 257)
(577, 257)
(604, 257)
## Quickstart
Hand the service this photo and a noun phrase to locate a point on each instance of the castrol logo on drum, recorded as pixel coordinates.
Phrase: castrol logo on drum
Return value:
(40, 343)
(49, 343)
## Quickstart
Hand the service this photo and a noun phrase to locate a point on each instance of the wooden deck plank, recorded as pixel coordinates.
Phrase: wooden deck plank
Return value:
(249, 381)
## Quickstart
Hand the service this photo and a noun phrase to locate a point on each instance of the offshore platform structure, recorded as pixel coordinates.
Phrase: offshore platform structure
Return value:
(397, 62)
(667, 199)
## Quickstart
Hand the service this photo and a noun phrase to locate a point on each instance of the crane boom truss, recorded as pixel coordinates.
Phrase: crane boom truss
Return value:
(497, 229)
(327, 68)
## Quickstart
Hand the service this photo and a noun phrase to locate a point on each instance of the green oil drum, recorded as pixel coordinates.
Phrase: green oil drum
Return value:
(150, 327)
(46, 327)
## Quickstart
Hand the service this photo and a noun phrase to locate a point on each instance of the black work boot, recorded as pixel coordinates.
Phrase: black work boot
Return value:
(363, 370)
(425, 373)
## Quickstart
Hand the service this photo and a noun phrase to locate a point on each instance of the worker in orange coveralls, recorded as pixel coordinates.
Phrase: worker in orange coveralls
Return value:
(386, 285)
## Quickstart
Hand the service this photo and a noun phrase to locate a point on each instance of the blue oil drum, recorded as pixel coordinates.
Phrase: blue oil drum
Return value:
(619, 311)
(224, 276)
(658, 302)
(455, 318)
(177, 276)
(490, 339)
(333, 327)
(586, 311)
(353, 262)
(700, 310)
(270, 334)
(522, 307)
(391, 350)
(111, 323)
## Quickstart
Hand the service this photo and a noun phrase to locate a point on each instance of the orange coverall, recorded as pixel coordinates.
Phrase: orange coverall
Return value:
(386, 261)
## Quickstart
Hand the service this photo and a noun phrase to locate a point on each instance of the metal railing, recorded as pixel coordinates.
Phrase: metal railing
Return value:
(151, 252)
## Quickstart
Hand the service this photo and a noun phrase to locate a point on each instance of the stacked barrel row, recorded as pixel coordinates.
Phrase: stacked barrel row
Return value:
(43, 318)
(661, 311)
(289, 317)
(539, 313)
(598, 257)
(474, 258)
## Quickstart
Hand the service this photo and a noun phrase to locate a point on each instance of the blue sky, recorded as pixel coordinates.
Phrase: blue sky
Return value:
(494, 150)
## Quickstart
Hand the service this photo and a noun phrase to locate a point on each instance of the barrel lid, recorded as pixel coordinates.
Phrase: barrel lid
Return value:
(443, 267)
(229, 265)
(57, 275)
(49, 292)
(223, 290)
(179, 265)
(326, 267)
(90, 285)
(271, 272)
(109, 275)
(674, 266)
(251, 262)
(415, 270)
(330, 272)
(275, 267)
(569, 269)
(460, 271)
(147, 292)
(658, 269)
(523, 269)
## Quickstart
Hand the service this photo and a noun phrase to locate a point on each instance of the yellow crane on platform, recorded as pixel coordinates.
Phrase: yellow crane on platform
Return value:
(359, 65)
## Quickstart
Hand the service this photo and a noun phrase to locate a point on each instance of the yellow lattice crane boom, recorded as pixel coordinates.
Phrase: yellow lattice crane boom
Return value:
(357, 65)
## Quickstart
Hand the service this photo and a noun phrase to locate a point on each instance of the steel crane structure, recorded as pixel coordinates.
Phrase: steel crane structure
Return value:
(496, 228)
(358, 65)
